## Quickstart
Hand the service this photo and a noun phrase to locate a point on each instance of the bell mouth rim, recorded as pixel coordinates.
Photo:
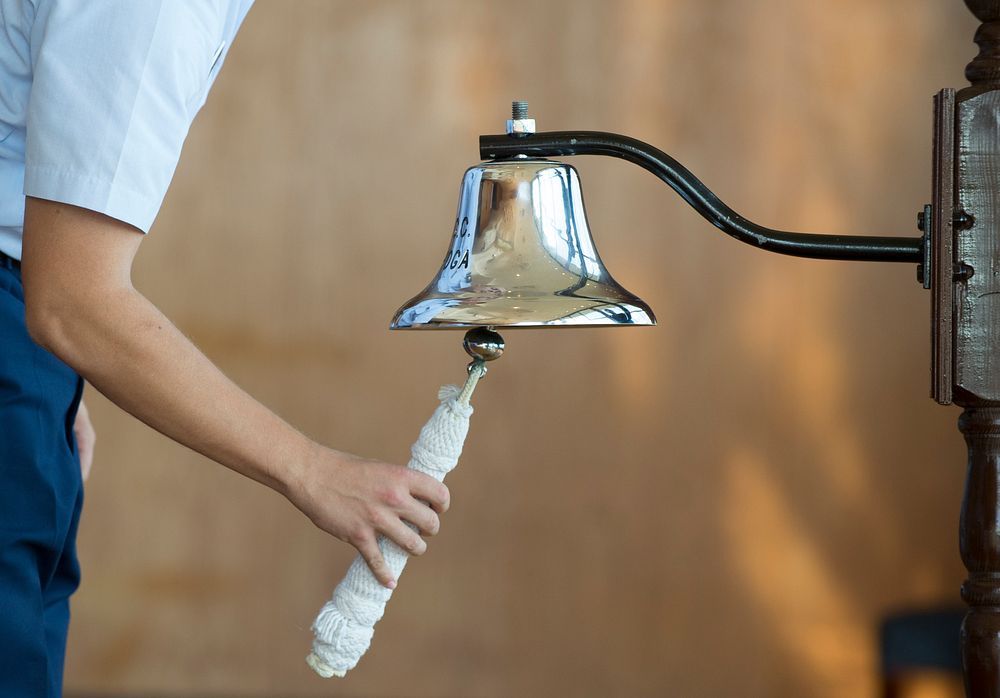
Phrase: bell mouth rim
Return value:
(431, 327)
(470, 314)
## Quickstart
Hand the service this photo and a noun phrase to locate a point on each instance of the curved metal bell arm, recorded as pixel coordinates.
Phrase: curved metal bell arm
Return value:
(701, 198)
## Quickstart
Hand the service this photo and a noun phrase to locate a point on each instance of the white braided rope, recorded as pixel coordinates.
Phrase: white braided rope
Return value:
(345, 625)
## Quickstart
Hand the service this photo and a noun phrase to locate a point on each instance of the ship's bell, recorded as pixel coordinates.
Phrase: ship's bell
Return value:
(521, 255)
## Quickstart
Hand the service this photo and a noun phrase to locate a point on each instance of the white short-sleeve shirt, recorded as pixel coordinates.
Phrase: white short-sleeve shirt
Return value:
(96, 98)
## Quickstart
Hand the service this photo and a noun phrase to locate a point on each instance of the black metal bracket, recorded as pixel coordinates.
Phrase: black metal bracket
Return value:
(701, 198)
(962, 220)
(925, 223)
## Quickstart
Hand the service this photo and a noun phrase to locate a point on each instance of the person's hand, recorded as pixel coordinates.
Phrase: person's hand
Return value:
(85, 439)
(355, 499)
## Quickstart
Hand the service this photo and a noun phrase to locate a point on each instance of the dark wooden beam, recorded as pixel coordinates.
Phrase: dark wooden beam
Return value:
(975, 342)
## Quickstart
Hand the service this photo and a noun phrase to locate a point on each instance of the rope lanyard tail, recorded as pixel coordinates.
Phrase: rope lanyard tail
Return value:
(344, 627)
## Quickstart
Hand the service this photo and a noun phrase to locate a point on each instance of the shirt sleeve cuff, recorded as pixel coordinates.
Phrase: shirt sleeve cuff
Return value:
(95, 194)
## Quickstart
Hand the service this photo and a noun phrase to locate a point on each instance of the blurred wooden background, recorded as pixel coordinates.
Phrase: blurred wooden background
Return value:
(726, 504)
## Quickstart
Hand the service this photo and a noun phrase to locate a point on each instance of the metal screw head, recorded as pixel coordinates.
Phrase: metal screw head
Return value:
(963, 220)
(482, 343)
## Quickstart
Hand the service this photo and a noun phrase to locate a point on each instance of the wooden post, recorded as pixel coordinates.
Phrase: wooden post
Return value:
(980, 544)
(971, 287)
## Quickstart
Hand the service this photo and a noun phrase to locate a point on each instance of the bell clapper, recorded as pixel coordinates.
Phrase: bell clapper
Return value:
(482, 344)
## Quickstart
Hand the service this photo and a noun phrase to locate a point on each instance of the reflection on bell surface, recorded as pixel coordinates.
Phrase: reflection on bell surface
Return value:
(521, 255)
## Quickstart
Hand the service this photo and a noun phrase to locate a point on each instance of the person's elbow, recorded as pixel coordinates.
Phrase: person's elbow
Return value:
(76, 270)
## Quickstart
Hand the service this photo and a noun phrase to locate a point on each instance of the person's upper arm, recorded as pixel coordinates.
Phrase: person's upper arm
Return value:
(116, 84)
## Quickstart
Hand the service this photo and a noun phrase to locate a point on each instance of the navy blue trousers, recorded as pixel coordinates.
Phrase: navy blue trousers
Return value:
(41, 493)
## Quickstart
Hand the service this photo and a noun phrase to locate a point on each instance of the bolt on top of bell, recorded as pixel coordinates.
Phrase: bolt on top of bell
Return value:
(519, 121)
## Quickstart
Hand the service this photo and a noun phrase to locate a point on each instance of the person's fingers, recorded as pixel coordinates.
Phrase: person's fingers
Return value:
(425, 487)
(368, 547)
(86, 460)
(85, 444)
(83, 430)
(403, 536)
(422, 516)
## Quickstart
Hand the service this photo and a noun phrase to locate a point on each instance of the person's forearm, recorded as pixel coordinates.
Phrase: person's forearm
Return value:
(126, 348)
(81, 305)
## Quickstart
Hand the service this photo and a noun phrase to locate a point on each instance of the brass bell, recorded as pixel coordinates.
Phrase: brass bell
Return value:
(521, 255)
